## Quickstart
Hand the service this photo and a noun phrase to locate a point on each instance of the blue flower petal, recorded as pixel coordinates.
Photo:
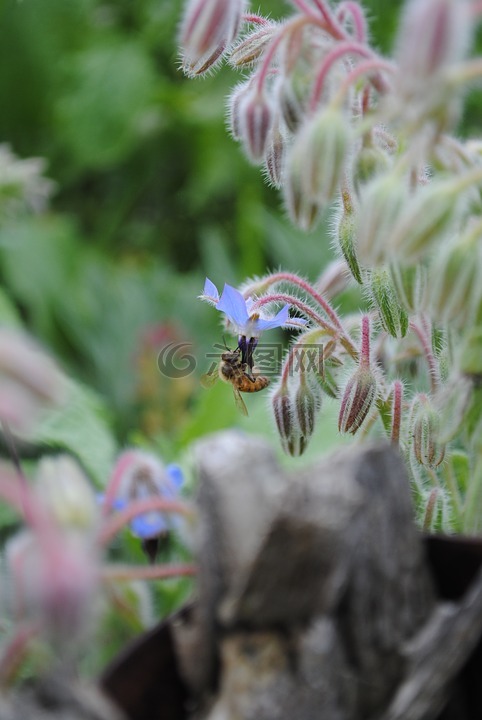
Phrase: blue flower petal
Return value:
(280, 319)
(149, 525)
(210, 290)
(233, 304)
(175, 475)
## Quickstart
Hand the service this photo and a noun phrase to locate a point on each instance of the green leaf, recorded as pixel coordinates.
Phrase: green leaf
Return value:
(81, 427)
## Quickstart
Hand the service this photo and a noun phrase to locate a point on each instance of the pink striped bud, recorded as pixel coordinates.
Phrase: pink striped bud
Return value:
(454, 280)
(307, 403)
(208, 28)
(358, 396)
(434, 34)
(234, 120)
(410, 283)
(252, 47)
(319, 153)
(382, 203)
(257, 117)
(393, 316)
(424, 432)
(283, 414)
(275, 155)
(346, 236)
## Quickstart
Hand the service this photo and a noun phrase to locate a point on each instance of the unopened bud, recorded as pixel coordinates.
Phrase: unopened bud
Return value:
(54, 580)
(370, 162)
(410, 282)
(424, 431)
(431, 510)
(283, 413)
(454, 284)
(393, 316)
(257, 117)
(207, 29)
(382, 202)
(251, 48)
(234, 120)
(346, 235)
(66, 492)
(194, 67)
(291, 103)
(307, 406)
(358, 396)
(275, 155)
(434, 35)
(452, 402)
(427, 217)
(318, 154)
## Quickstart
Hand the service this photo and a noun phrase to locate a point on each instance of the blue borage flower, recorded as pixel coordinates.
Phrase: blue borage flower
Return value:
(152, 524)
(238, 311)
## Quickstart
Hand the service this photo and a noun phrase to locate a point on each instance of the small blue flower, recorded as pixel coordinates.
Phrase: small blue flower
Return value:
(238, 311)
(154, 523)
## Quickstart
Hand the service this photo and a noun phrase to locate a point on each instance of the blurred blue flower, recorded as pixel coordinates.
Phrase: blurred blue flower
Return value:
(238, 311)
(152, 524)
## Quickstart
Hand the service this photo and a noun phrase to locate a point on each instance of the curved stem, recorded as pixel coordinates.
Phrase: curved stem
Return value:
(365, 342)
(357, 15)
(289, 26)
(147, 572)
(363, 68)
(335, 332)
(256, 19)
(309, 290)
(397, 399)
(426, 345)
(343, 48)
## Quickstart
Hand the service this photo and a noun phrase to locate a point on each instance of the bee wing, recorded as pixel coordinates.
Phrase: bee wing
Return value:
(240, 404)
(209, 378)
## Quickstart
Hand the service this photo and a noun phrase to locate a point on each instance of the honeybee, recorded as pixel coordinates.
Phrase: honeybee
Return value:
(233, 370)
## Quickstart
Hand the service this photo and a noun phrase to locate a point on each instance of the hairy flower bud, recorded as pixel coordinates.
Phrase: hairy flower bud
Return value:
(452, 402)
(346, 236)
(424, 431)
(434, 34)
(291, 104)
(283, 413)
(257, 116)
(275, 155)
(65, 491)
(409, 283)
(319, 154)
(382, 202)
(307, 402)
(427, 217)
(233, 114)
(370, 162)
(208, 27)
(393, 316)
(358, 396)
(54, 581)
(252, 47)
(454, 280)
(292, 439)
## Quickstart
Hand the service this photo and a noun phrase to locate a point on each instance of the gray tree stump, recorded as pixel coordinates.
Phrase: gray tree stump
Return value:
(315, 600)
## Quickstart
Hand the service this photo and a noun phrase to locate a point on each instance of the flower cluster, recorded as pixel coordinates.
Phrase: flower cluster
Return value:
(56, 569)
(338, 126)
